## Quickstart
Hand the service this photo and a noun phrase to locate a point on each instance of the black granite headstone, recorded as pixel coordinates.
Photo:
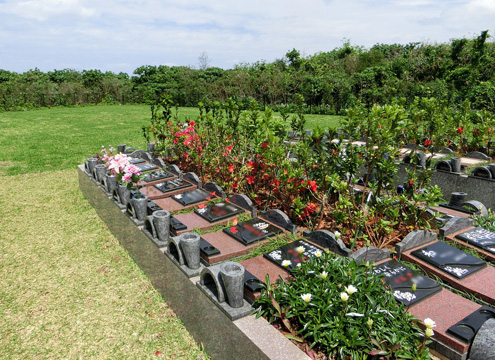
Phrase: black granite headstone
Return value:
(219, 211)
(136, 161)
(152, 207)
(158, 175)
(252, 231)
(146, 167)
(177, 225)
(291, 255)
(400, 278)
(467, 328)
(172, 185)
(252, 282)
(479, 237)
(449, 259)
(192, 197)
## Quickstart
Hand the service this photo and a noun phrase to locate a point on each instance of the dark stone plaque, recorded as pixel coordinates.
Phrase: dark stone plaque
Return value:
(152, 207)
(136, 161)
(192, 197)
(158, 175)
(218, 211)
(177, 225)
(291, 254)
(449, 259)
(172, 185)
(252, 231)
(479, 237)
(207, 248)
(467, 328)
(252, 282)
(146, 167)
(400, 278)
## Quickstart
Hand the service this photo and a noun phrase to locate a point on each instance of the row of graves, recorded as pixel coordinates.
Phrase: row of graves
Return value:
(202, 242)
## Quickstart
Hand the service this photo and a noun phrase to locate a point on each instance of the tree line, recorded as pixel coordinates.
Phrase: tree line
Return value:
(328, 82)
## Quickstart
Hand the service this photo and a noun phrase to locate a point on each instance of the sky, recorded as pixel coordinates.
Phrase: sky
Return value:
(122, 35)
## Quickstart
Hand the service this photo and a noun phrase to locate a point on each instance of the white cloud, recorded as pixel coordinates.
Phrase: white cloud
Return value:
(120, 35)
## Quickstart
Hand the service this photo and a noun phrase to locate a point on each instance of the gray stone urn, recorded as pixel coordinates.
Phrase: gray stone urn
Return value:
(151, 147)
(189, 243)
(140, 206)
(233, 280)
(110, 183)
(161, 222)
(456, 164)
(100, 172)
(91, 165)
(124, 194)
(121, 148)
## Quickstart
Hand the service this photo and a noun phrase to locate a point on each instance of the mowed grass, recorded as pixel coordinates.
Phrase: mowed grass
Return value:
(62, 138)
(67, 288)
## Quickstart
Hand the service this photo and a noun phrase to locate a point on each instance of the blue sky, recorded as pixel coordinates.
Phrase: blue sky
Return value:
(121, 35)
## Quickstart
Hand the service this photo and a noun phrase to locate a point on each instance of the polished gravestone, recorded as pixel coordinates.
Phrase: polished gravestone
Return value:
(400, 278)
(252, 231)
(157, 176)
(449, 259)
(145, 167)
(136, 161)
(192, 197)
(480, 238)
(219, 211)
(467, 328)
(172, 185)
(295, 253)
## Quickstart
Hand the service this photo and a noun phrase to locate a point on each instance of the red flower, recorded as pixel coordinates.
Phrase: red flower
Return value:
(201, 206)
(266, 177)
(460, 129)
(213, 194)
(475, 131)
(229, 148)
(428, 142)
(312, 185)
(250, 164)
(234, 186)
(152, 128)
(192, 123)
(250, 179)
(264, 145)
(411, 182)
(170, 123)
(231, 168)
(233, 230)
(158, 353)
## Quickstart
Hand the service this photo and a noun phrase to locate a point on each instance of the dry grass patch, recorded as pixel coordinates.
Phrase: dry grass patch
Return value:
(68, 289)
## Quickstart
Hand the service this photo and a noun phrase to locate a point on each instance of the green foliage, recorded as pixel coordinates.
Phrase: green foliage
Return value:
(342, 309)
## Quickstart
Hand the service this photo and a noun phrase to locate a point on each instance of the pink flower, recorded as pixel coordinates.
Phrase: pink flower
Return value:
(126, 178)
(231, 168)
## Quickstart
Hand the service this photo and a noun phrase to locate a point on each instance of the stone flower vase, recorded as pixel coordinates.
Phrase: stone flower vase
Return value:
(91, 165)
(233, 280)
(140, 206)
(456, 164)
(124, 194)
(100, 172)
(110, 183)
(161, 221)
(189, 243)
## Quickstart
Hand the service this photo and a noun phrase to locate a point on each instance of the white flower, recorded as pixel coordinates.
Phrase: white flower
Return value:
(323, 275)
(286, 263)
(337, 234)
(429, 323)
(318, 253)
(351, 289)
(429, 333)
(298, 264)
(300, 249)
(306, 297)
(344, 297)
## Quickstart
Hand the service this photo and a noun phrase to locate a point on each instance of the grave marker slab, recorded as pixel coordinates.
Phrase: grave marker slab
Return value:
(449, 259)
(294, 253)
(192, 197)
(252, 231)
(479, 237)
(219, 211)
(157, 176)
(401, 278)
(136, 161)
(146, 166)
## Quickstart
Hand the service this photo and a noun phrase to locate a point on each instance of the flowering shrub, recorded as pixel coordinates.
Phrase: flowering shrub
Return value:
(344, 311)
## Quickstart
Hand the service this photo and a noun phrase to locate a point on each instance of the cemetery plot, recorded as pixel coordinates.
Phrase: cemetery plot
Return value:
(400, 278)
(157, 176)
(480, 238)
(292, 255)
(219, 211)
(252, 231)
(449, 259)
(167, 188)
